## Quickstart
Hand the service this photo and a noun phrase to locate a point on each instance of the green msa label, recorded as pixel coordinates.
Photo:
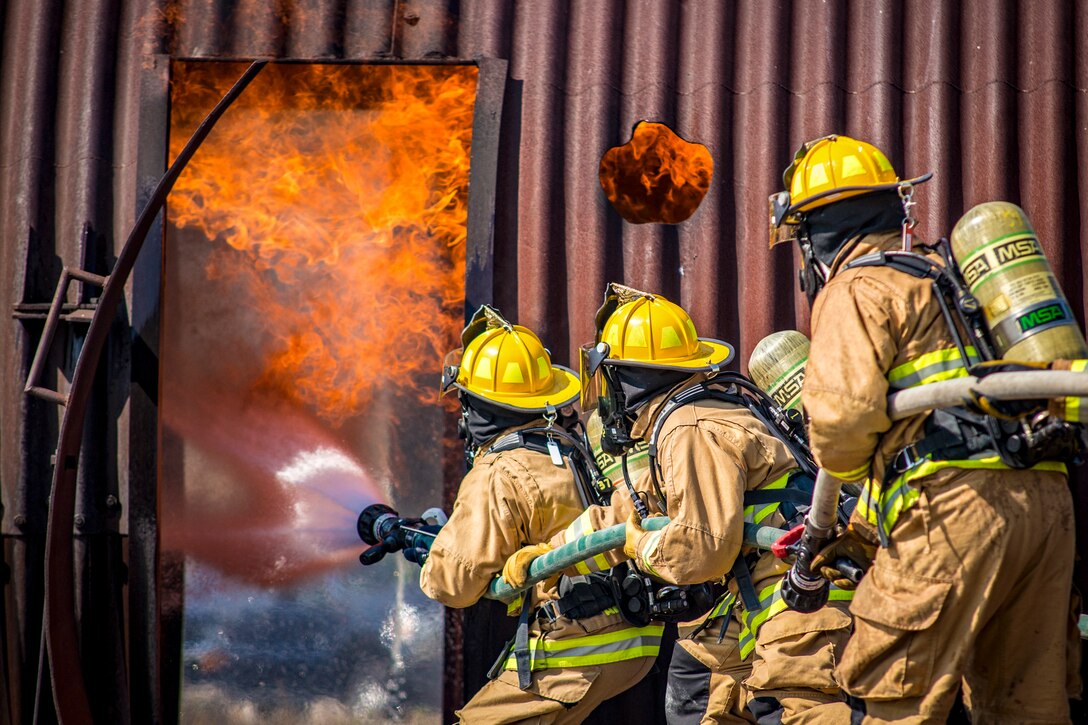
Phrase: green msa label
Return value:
(1041, 316)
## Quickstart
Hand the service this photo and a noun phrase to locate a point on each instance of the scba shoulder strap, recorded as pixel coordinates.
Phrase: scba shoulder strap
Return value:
(738, 390)
(562, 446)
(951, 433)
(953, 297)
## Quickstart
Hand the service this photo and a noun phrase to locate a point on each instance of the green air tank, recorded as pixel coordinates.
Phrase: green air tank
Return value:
(777, 365)
(1000, 258)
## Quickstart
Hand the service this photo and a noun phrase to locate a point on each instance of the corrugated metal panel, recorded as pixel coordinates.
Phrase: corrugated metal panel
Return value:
(993, 96)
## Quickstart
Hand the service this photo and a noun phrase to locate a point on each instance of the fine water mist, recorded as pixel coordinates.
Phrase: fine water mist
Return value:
(269, 495)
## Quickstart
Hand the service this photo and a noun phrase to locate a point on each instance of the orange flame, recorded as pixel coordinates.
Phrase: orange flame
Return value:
(656, 176)
(340, 194)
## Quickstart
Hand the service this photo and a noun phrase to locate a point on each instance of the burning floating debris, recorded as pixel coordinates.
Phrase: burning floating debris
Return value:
(656, 176)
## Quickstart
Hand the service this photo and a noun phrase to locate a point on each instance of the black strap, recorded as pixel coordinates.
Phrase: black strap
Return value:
(747, 589)
(522, 656)
(910, 263)
(952, 294)
(761, 496)
(592, 484)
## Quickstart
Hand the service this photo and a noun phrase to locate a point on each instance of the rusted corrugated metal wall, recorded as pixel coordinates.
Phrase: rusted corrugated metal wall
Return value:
(992, 95)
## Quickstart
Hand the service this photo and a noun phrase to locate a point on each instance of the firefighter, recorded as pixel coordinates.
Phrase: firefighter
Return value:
(748, 657)
(572, 651)
(972, 582)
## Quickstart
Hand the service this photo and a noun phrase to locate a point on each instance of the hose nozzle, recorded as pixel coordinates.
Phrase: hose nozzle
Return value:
(386, 532)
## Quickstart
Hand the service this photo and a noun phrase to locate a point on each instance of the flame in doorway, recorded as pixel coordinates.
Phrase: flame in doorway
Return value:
(339, 194)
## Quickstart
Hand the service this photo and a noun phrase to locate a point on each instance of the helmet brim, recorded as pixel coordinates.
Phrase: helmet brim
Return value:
(803, 205)
(711, 356)
(565, 389)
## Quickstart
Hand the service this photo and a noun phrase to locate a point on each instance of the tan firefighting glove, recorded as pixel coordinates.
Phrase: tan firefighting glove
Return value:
(1060, 407)
(516, 569)
(850, 546)
(633, 534)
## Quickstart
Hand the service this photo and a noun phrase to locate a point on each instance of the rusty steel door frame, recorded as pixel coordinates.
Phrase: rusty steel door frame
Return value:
(61, 632)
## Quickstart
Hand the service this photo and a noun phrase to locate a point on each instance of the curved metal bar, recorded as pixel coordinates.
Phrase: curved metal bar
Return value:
(61, 631)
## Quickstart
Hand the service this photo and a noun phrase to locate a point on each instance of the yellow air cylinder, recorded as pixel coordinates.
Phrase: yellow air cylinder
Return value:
(638, 459)
(777, 365)
(1001, 260)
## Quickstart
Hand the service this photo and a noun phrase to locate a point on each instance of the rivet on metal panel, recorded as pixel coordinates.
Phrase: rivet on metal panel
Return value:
(411, 17)
(80, 521)
(112, 502)
(19, 520)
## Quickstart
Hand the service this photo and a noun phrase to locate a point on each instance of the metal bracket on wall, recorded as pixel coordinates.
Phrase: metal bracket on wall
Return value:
(81, 313)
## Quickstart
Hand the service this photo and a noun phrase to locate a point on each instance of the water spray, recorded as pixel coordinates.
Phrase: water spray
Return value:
(387, 532)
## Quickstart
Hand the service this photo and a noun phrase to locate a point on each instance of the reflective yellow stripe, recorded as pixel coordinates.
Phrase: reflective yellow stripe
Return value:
(752, 516)
(614, 470)
(583, 526)
(1075, 406)
(648, 550)
(772, 604)
(723, 606)
(883, 508)
(513, 608)
(931, 368)
(594, 649)
(855, 474)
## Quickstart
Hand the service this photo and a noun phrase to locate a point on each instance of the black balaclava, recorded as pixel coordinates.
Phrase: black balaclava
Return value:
(483, 421)
(830, 228)
(640, 385)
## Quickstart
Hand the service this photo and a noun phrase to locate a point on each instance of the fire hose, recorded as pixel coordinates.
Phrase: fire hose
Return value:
(823, 516)
(598, 542)
(804, 589)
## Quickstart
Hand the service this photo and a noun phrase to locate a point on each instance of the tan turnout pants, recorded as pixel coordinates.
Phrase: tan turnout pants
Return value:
(792, 669)
(974, 588)
(560, 695)
(573, 693)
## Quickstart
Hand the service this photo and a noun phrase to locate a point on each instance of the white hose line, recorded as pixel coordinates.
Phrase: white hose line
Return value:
(1028, 385)
(825, 502)
(999, 386)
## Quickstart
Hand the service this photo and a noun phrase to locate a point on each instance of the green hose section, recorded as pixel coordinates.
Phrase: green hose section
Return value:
(590, 545)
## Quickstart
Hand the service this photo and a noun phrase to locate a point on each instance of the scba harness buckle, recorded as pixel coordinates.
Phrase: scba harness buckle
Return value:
(641, 600)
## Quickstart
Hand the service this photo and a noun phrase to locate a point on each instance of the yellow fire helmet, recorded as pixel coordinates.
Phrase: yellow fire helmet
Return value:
(640, 329)
(827, 170)
(506, 364)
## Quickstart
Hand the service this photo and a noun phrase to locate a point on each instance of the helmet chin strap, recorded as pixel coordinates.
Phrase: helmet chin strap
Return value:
(616, 427)
(813, 274)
